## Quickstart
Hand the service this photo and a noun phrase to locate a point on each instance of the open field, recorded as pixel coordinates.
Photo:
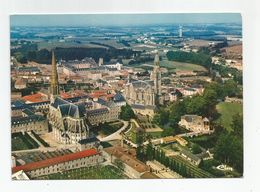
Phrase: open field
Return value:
(22, 142)
(227, 110)
(106, 172)
(176, 66)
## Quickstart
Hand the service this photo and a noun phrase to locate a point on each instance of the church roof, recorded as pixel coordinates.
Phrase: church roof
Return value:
(69, 109)
(141, 84)
(118, 97)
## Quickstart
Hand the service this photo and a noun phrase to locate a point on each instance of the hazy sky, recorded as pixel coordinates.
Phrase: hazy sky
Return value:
(122, 19)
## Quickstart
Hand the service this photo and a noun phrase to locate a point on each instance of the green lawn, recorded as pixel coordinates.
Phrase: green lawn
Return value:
(227, 110)
(155, 134)
(97, 172)
(107, 128)
(22, 142)
(131, 135)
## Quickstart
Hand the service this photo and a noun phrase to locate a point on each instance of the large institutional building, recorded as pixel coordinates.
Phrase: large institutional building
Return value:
(143, 96)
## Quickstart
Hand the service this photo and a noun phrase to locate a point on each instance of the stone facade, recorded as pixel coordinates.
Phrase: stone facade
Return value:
(195, 123)
(68, 121)
(146, 94)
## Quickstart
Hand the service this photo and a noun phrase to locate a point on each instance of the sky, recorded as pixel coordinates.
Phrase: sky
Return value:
(122, 19)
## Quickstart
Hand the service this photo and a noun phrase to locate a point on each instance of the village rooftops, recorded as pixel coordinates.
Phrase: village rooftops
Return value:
(55, 160)
(123, 155)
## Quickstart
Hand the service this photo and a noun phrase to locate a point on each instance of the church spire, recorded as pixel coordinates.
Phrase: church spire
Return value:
(157, 59)
(54, 77)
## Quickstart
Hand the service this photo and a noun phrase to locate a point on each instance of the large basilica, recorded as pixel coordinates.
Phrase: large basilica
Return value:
(143, 96)
(71, 119)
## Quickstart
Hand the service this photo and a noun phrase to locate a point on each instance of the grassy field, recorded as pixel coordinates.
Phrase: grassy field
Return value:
(22, 142)
(106, 172)
(131, 135)
(227, 110)
(176, 66)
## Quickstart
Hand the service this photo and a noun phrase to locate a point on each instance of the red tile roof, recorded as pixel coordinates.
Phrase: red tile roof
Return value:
(55, 160)
(37, 97)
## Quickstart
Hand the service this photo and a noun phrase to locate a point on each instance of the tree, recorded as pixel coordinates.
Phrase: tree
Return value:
(237, 125)
(149, 152)
(230, 88)
(120, 165)
(229, 150)
(196, 149)
(161, 117)
(168, 131)
(127, 113)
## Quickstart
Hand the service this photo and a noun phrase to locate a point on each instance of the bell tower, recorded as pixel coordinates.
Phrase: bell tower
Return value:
(156, 77)
(54, 89)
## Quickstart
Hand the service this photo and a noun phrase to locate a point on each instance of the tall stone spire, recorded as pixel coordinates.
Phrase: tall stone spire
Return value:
(54, 77)
(156, 77)
(157, 59)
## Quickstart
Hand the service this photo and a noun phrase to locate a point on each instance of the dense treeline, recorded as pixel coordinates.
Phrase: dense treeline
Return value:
(44, 55)
(141, 59)
(190, 57)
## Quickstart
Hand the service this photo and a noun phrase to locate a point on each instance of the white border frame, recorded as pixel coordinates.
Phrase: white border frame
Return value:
(251, 31)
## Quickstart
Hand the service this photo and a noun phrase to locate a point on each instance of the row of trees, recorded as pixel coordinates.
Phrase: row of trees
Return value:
(150, 153)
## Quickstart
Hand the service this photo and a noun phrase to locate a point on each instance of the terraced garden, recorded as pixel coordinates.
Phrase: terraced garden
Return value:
(23, 142)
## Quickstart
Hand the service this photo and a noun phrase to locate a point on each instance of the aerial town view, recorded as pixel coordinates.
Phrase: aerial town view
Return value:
(126, 96)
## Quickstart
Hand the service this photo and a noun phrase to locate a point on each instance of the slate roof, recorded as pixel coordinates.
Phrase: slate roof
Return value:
(28, 112)
(97, 111)
(69, 109)
(23, 120)
(89, 140)
(118, 97)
